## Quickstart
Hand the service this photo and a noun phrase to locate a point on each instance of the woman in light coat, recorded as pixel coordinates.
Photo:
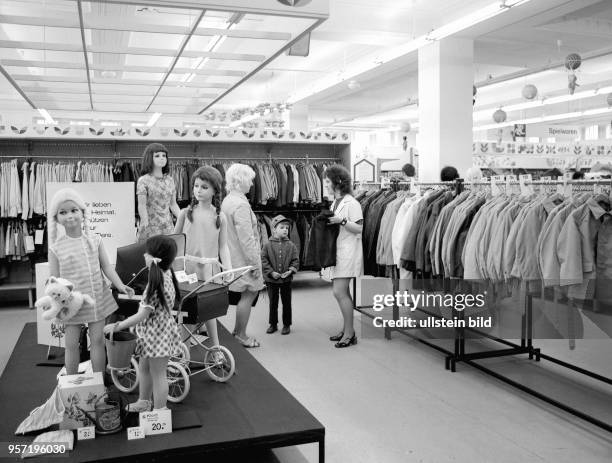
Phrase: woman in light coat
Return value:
(244, 245)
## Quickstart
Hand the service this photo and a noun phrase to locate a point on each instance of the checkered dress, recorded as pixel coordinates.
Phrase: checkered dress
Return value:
(158, 335)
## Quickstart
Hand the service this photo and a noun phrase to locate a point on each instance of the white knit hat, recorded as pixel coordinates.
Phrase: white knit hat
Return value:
(61, 196)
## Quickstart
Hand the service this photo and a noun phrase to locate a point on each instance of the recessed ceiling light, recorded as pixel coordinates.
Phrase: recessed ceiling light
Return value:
(108, 74)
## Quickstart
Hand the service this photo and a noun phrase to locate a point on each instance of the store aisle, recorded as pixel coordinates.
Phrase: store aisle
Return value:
(392, 401)
(13, 321)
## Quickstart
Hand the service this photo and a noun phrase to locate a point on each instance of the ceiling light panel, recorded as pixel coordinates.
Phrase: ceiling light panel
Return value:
(41, 34)
(149, 39)
(134, 52)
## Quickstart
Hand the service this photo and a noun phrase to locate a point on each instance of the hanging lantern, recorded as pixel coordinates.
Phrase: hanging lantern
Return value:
(406, 127)
(499, 116)
(530, 91)
(609, 99)
(573, 61)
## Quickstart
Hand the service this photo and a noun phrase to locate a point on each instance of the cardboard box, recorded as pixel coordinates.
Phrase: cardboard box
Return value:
(79, 394)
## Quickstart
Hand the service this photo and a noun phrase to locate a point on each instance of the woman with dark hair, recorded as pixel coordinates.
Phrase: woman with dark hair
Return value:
(349, 253)
(156, 194)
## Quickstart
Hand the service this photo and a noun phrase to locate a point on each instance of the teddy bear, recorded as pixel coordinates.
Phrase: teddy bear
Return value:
(61, 302)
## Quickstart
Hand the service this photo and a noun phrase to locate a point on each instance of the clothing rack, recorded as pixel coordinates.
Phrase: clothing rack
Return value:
(526, 346)
(286, 211)
(118, 157)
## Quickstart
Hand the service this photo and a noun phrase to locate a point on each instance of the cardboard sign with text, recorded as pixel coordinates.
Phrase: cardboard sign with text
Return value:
(111, 211)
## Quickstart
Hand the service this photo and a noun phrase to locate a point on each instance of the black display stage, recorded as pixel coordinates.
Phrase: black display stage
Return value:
(250, 413)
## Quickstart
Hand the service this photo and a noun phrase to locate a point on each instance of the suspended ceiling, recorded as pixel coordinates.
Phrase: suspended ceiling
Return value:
(117, 57)
(146, 59)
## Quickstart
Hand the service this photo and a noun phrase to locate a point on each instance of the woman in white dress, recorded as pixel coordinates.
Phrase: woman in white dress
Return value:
(349, 251)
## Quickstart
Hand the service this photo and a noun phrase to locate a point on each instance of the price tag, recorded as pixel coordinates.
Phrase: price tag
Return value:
(385, 182)
(495, 181)
(86, 433)
(156, 422)
(525, 184)
(39, 237)
(525, 178)
(136, 432)
(28, 242)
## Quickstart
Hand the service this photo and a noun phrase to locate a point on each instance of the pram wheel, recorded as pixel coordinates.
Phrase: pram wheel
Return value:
(220, 364)
(126, 380)
(178, 382)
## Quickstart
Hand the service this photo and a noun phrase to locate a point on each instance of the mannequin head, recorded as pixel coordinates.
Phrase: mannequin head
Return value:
(155, 155)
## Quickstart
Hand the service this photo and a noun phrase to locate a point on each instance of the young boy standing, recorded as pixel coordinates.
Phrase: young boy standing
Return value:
(280, 261)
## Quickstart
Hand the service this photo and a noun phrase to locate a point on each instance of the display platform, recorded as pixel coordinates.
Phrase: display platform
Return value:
(251, 412)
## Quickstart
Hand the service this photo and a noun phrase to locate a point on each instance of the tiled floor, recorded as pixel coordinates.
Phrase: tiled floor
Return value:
(393, 401)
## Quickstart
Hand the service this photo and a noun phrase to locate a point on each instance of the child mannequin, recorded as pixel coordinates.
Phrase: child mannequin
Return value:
(158, 333)
(279, 260)
(206, 229)
(80, 257)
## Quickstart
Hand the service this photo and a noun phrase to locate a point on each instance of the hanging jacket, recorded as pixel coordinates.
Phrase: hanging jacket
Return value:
(322, 243)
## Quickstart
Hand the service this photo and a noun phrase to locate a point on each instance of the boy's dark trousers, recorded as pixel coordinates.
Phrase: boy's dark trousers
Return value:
(285, 294)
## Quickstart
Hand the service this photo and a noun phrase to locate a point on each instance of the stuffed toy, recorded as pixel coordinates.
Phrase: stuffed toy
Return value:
(61, 302)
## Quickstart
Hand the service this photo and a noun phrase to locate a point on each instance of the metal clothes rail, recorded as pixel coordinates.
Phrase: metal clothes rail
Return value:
(182, 158)
(459, 354)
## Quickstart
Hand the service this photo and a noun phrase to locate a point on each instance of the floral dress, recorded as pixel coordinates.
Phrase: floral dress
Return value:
(159, 193)
(158, 334)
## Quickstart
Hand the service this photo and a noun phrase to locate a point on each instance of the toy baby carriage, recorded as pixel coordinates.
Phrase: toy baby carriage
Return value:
(201, 301)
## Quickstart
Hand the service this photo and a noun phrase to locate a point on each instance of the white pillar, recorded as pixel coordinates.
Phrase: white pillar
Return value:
(446, 77)
(298, 118)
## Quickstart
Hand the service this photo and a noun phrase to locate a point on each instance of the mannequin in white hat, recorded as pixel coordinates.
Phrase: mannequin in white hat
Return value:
(80, 257)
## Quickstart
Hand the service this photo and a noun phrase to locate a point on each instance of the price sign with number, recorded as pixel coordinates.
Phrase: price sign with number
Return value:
(136, 432)
(157, 422)
(86, 433)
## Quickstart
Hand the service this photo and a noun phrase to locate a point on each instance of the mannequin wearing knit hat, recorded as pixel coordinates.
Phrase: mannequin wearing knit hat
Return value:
(79, 257)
